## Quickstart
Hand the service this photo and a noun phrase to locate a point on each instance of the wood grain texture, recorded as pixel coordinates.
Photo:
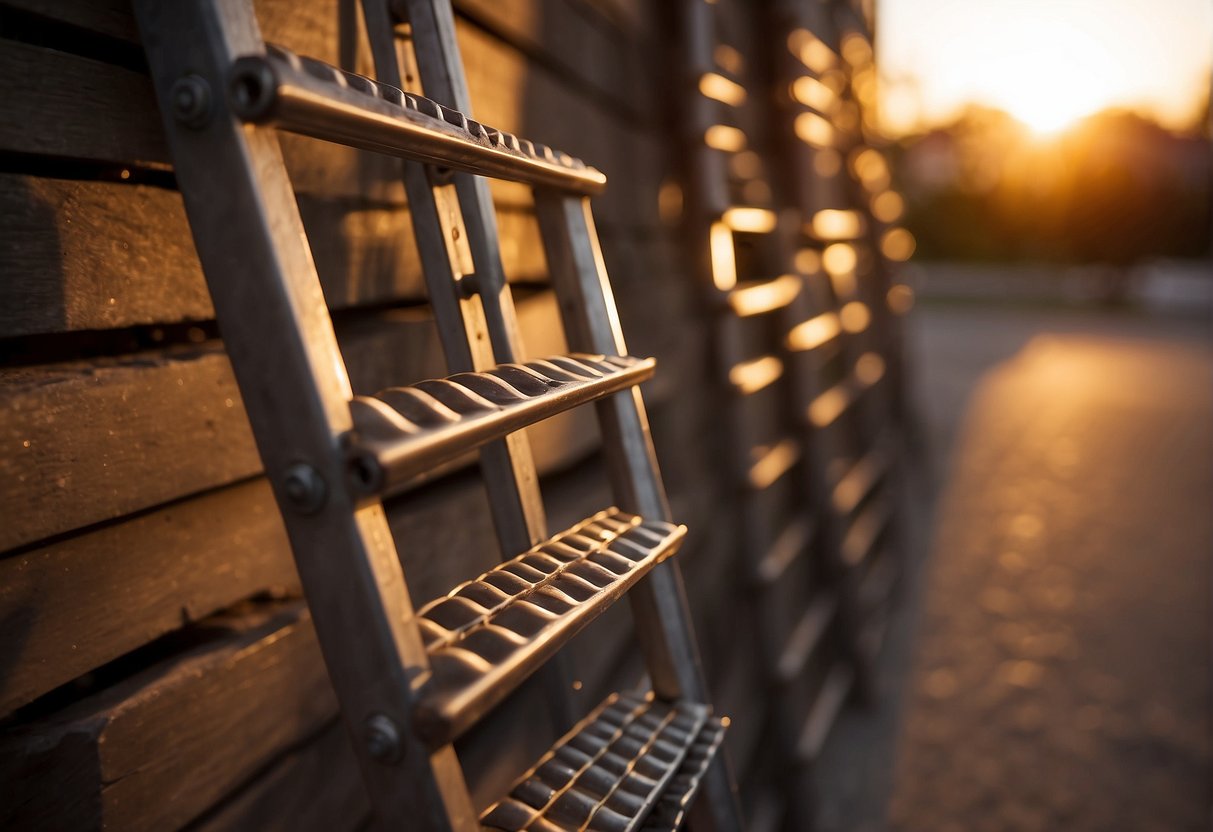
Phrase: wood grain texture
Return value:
(314, 788)
(59, 605)
(91, 441)
(156, 750)
(81, 255)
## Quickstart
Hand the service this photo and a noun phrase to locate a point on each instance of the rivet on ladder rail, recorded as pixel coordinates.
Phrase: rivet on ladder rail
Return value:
(382, 739)
(191, 99)
(304, 488)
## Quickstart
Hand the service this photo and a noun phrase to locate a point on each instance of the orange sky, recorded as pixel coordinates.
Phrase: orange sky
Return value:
(1047, 62)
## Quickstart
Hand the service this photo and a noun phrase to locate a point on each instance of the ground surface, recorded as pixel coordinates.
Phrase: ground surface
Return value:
(1051, 667)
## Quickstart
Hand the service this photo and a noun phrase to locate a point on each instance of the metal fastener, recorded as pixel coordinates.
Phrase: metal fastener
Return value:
(191, 100)
(382, 739)
(304, 488)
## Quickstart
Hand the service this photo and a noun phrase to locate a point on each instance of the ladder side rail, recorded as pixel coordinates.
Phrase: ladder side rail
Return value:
(476, 320)
(279, 335)
(444, 80)
(659, 603)
(462, 315)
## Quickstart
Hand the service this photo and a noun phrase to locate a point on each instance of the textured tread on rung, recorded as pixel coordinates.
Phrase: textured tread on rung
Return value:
(402, 432)
(608, 773)
(307, 96)
(489, 634)
(671, 810)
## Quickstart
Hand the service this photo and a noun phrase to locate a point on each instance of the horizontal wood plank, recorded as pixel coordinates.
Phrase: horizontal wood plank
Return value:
(158, 749)
(87, 442)
(315, 788)
(81, 255)
(79, 603)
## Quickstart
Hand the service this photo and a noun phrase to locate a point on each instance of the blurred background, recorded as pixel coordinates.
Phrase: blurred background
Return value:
(1054, 159)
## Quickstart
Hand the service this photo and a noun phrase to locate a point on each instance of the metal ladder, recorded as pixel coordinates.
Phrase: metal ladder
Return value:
(858, 414)
(409, 682)
(770, 333)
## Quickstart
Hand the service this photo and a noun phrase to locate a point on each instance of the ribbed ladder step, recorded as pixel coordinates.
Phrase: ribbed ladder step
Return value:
(404, 431)
(313, 98)
(612, 769)
(670, 813)
(489, 634)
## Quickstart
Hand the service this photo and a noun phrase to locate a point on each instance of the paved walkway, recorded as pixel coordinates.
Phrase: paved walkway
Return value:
(1062, 664)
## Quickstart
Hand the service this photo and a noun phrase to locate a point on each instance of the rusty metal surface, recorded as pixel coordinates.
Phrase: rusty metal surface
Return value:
(609, 772)
(311, 97)
(403, 431)
(489, 634)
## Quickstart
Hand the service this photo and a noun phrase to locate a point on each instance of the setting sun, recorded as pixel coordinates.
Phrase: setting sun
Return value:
(1045, 62)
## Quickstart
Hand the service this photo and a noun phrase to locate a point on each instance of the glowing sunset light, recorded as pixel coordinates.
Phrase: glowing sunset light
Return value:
(1048, 63)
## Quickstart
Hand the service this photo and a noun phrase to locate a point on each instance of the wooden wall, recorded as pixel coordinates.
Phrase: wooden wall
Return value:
(158, 669)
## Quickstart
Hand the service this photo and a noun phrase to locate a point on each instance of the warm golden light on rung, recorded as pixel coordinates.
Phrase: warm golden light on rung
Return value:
(723, 137)
(751, 376)
(856, 50)
(764, 297)
(829, 405)
(812, 93)
(827, 162)
(869, 369)
(807, 261)
(897, 244)
(869, 165)
(855, 317)
(888, 206)
(724, 259)
(811, 50)
(835, 224)
(900, 299)
(728, 59)
(750, 220)
(721, 89)
(814, 130)
(773, 462)
(839, 258)
(811, 334)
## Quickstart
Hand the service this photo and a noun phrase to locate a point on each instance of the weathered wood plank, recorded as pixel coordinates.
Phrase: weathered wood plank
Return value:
(91, 441)
(156, 750)
(79, 255)
(578, 42)
(315, 788)
(116, 122)
(86, 442)
(77, 107)
(79, 603)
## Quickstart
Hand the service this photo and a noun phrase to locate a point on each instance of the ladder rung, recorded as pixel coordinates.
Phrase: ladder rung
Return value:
(792, 542)
(608, 772)
(307, 96)
(670, 813)
(489, 634)
(822, 716)
(761, 297)
(858, 482)
(833, 402)
(772, 463)
(805, 637)
(866, 532)
(814, 333)
(404, 431)
(754, 375)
